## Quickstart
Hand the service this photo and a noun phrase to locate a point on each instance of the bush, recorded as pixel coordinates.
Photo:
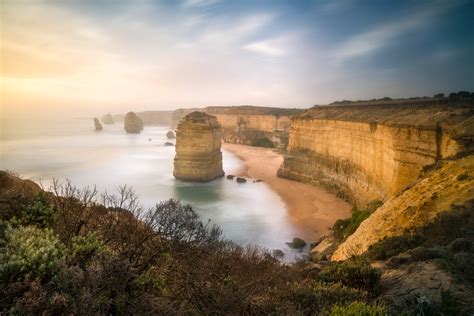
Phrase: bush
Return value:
(83, 248)
(30, 250)
(343, 228)
(262, 142)
(358, 309)
(39, 213)
(392, 246)
(355, 272)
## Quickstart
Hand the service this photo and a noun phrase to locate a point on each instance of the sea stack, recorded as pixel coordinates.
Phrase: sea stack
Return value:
(132, 123)
(98, 126)
(198, 148)
(108, 119)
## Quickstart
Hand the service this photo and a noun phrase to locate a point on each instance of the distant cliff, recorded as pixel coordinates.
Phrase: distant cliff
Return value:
(372, 150)
(249, 125)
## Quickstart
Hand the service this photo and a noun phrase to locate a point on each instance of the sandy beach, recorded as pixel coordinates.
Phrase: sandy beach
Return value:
(308, 206)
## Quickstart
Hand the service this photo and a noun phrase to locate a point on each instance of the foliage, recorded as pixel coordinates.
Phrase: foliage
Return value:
(392, 246)
(83, 248)
(449, 305)
(29, 250)
(262, 142)
(39, 213)
(357, 309)
(343, 228)
(355, 272)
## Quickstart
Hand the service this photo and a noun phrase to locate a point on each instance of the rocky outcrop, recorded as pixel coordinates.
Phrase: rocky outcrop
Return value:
(170, 135)
(132, 123)
(97, 125)
(451, 183)
(198, 148)
(368, 151)
(108, 119)
(251, 125)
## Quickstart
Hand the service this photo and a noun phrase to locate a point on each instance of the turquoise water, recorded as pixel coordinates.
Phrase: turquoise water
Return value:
(71, 149)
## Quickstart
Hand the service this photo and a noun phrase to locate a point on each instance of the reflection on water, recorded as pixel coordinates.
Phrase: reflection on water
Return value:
(247, 213)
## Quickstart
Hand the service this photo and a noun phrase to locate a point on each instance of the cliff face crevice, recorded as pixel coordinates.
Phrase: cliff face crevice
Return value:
(366, 153)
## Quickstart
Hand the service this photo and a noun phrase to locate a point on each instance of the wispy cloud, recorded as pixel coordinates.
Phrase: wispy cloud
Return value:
(199, 3)
(384, 35)
(272, 47)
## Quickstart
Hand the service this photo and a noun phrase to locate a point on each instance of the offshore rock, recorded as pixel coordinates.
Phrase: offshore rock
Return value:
(108, 119)
(198, 148)
(170, 135)
(132, 123)
(97, 125)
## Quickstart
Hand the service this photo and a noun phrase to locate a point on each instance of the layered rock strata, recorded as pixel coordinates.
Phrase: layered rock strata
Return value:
(97, 125)
(370, 151)
(198, 148)
(132, 123)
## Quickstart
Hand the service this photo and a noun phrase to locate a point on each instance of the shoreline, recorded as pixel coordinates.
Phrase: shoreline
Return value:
(311, 208)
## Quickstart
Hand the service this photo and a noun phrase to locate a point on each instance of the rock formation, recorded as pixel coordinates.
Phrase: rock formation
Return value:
(132, 123)
(108, 119)
(170, 135)
(364, 152)
(443, 189)
(198, 148)
(97, 125)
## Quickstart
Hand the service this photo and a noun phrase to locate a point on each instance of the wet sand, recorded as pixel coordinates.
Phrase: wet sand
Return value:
(309, 207)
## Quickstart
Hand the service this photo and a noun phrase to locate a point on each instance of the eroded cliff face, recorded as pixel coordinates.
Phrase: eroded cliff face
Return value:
(250, 125)
(198, 148)
(450, 184)
(367, 152)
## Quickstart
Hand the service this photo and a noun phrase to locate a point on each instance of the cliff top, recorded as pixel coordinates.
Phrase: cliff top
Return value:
(201, 118)
(413, 112)
(251, 110)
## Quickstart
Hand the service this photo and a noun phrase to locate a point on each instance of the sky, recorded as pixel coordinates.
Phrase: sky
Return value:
(96, 56)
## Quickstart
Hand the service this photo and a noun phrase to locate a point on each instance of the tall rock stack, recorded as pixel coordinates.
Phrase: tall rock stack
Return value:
(198, 148)
(108, 119)
(97, 125)
(132, 123)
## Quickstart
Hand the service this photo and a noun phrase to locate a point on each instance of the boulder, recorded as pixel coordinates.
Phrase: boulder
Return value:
(108, 119)
(132, 123)
(198, 148)
(278, 253)
(297, 243)
(230, 177)
(97, 125)
(169, 144)
(170, 135)
(241, 180)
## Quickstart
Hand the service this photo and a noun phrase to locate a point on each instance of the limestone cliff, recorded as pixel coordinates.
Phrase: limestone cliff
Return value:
(372, 151)
(97, 125)
(251, 125)
(198, 148)
(132, 123)
(451, 183)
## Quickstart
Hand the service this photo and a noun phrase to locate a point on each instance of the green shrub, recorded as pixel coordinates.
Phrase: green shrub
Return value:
(355, 272)
(86, 247)
(462, 176)
(262, 142)
(392, 246)
(358, 309)
(39, 213)
(29, 250)
(343, 228)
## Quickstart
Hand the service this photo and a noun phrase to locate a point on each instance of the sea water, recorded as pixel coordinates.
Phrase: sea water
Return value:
(47, 149)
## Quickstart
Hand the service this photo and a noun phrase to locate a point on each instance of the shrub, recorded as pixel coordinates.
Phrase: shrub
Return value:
(392, 246)
(29, 250)
(262, 142)
(358, 309)
(355, 272)
(85, 247)
(39, 213)
(462, 176)
(343, 228)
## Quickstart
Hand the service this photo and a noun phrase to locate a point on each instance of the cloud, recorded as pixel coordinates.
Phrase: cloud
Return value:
(266, 47)
(382, 36)
(199, 3)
